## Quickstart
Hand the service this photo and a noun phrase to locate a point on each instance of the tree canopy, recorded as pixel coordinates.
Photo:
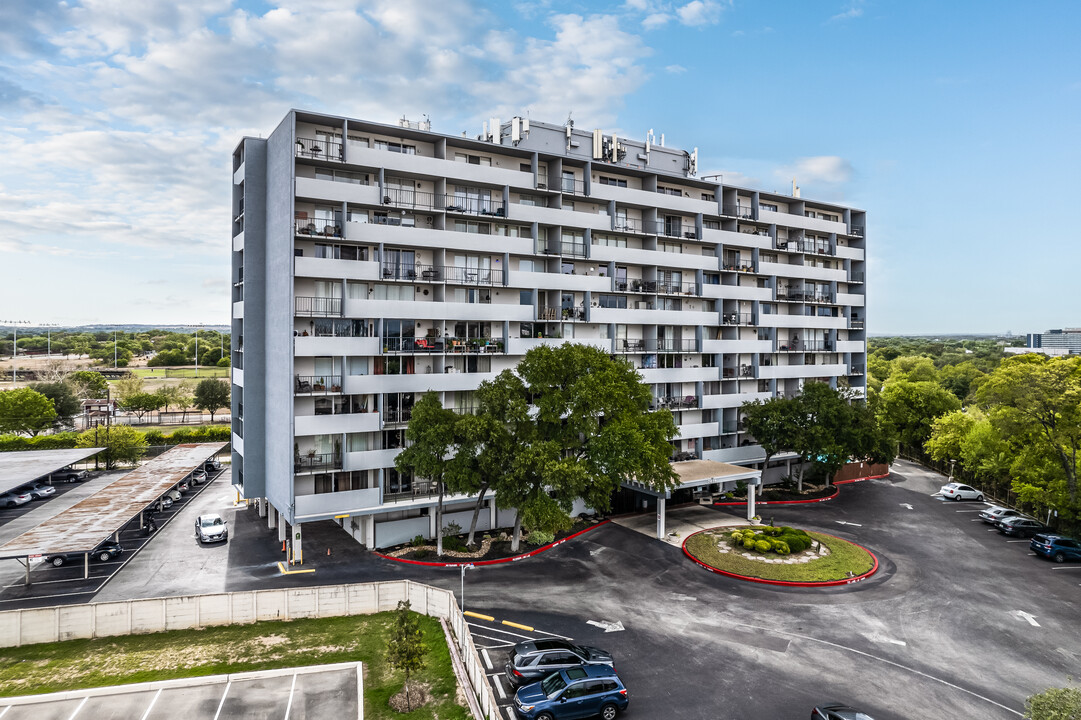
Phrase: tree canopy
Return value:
(65, 403)
(123, 444)
(432, 440)
(211, 395)
(25, 411)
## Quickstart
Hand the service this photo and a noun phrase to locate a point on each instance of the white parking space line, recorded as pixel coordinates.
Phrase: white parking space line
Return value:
(506, 632)
(561, 637)
(1077, 567)
(222, 701)
(151, 705)
(502, 641)
(487, 659)
(499, 687)
(80, 707)
(5, 712)
(510, 713)
(968, 510)
(1017, 541)
(85, 592)
(289, 705)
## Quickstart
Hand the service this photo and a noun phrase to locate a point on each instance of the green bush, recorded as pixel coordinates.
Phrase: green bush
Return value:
(748, 543)
(539, 537)
(420, 554)
(417, 541)
(780, 547)
(155, 437)
(453, 542)
(797, 543)
(762, 546)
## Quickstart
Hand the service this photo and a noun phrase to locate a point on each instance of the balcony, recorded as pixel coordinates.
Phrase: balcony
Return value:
(670, 288)
(411, 272)
(817, 346)
(551, 313)
(737, 318)
(668, 345)
(577, 250)
(856, 277)
(739, 265)
(855, 324)
(855, 371)
(473, 276)
(393, 416)
(399, 490)
(857, 230)
(631, 225)
(572, 186)
(682, 402)
(316, 462)
(674, 229)
(305, 306)
(410, 199)
(744, 212)
(630, 346)
(470, 205)
(317, 384)
(317, 227)
(319, 149)
(742, 372)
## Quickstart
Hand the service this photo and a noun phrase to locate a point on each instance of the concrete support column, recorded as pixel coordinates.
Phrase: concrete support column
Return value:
(271, 517)
(750, 501)
(368, 524)
(298, 552)
(260, 504)
(432, 529)
(493, 515)
(660, 518)
(282, 528)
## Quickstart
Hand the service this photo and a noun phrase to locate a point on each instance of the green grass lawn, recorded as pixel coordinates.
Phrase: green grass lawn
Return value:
(844, 557)
(74, 664)
(183, 372)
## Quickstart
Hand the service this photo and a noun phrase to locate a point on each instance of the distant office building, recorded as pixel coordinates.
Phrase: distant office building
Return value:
(1059, 342)
(372, 263)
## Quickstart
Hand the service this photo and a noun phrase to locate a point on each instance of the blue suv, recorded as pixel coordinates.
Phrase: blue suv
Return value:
(577, 692)
(1056, 547)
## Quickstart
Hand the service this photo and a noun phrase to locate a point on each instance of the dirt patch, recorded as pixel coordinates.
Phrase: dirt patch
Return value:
(418, 696)
(493, 545)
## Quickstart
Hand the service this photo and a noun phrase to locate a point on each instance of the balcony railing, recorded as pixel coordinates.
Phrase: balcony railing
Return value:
(672, 229)
(740, 211)
(318, 306)
(469, 205)
(317, 384)
(792, 294)
(411, 272)
(407, 198)
(857, 230)
(399, 490)
(730, 428)
(459, 345)
(819, 298)
(669, 345)
(738, 318)
(319, 148)
(572, 249)
(473, 276)
(856, 277)
(318, 227)
(624, 224)
(855, 370)
(669, 288)
(855, 324)
(628, 346)
(680, 402)
(817, 347)
(571, 186)
(316, 462)
(397, 415)
(552, 313)
(739, 265)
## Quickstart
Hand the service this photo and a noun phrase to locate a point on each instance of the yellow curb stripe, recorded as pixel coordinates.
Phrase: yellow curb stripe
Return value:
(470, 613)
(281, 567)
(516, 625)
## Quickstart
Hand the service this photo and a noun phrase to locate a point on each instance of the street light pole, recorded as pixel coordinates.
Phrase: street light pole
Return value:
(15, 346)
(952, 463)
(114, 350)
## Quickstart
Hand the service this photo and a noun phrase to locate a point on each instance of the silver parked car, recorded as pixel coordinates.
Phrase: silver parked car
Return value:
(995, 513)
(14, 498)
(36, 490)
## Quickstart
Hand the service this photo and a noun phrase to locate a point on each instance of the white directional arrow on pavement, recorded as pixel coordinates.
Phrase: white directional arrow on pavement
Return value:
(906, 505)
(608, 626)
(1026, 616)
(842, 522)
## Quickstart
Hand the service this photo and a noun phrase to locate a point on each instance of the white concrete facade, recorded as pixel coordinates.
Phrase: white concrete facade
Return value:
(372, 263)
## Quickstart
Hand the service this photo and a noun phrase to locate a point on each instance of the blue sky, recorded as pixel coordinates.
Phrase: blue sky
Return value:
(955, 125)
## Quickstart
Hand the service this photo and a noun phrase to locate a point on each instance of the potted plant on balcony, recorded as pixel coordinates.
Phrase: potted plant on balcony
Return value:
(320, 384)
(335, 388)
(311, 454)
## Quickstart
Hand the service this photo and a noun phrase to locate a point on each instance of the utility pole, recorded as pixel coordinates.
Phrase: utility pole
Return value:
(15, 346)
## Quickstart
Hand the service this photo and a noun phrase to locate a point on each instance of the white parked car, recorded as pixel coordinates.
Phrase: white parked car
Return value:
(958, 491)
(174, 495)
(165, 501)
(36, 490)
(210, 528)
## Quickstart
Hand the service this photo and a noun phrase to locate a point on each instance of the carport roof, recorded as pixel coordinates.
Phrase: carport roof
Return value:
(85, 524)
(24, 466)
(693, 473)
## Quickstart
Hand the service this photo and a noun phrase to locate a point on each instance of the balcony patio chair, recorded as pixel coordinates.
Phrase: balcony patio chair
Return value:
(303, 385)
(689, 401)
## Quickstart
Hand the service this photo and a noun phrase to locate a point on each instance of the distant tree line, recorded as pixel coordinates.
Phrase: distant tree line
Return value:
(169, 348)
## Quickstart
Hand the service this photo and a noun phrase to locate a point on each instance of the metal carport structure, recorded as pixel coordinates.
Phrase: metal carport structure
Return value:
(80, 528)
(698, 473)
(22, 466)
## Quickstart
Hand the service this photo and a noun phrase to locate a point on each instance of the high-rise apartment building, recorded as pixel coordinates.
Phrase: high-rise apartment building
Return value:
(372, 263)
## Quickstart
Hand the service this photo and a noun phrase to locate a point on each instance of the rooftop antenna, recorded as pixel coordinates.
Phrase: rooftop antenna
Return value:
(570, 120)
(795, 188)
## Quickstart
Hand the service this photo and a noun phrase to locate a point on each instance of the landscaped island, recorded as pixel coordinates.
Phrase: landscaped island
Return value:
(780, 554)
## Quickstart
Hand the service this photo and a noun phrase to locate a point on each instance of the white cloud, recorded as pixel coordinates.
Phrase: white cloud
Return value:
(828, 169)
(853, 9)
(655, 20)
(675, 69)
(700, 12)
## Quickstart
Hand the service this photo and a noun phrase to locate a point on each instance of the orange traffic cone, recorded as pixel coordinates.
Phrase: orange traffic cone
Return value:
(283, 546)
(328, 552)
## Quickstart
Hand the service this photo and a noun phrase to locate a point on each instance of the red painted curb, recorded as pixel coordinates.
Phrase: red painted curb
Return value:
(869, 477)
(780, 502)
(523, 556)
(788, 583)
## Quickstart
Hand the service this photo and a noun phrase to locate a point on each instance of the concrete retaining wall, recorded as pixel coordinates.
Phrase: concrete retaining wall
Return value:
(134, 617)
(394, 532)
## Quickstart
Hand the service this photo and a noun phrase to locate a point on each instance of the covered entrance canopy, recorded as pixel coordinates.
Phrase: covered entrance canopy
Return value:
(23, 466)
(81, 527)
(703, 473)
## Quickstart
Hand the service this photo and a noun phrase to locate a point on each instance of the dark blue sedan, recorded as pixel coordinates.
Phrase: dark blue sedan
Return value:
(578, 692)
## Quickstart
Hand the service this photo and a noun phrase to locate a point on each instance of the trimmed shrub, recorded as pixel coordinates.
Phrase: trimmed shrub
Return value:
(539, 537)
(453, 542)
(748, 543)
(417, 541)
(419, 554)
(762, 546)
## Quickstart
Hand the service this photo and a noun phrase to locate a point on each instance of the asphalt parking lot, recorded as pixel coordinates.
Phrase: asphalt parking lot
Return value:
(319, 692)
(942, 630)
(62, 585)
